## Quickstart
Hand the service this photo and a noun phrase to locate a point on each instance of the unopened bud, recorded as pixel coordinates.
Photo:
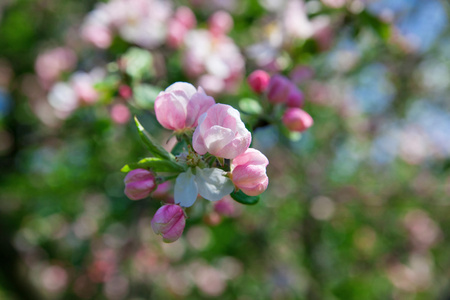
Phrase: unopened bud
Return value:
(279, 89)
(296, 119)
(295, 98)
(258, 81)
(139, 184)
(169, 222)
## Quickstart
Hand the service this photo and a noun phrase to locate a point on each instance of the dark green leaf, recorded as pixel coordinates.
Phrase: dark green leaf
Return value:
(156, 164)
(240, 197)
(152, 145)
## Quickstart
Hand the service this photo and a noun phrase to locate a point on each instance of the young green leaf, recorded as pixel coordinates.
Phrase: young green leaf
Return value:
(156, 164)
(152, 145)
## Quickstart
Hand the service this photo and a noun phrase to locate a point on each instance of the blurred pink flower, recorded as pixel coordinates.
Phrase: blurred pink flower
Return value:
(83, 85)
(220, 23)
(120, 113)
(216, 56)
(182, 21)
(50, 64)
(279, 89)
(295, 97)
(296, 119)
(226, 207)
(249, 172)
(258, 81)
(221, 132)
(139, 184)
(169, 222)
(180, 106)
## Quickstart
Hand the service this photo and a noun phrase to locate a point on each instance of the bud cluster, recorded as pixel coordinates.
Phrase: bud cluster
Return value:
(216, 160)
(279, 90)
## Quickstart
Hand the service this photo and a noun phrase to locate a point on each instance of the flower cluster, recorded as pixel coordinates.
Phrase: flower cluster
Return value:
(215, 162)
(279, 90)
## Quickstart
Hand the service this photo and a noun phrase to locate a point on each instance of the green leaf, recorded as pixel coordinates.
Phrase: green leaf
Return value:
(156, 164)
(145, 95)
(250, 106)
(138, 62)
(240, 197)
(152, 145)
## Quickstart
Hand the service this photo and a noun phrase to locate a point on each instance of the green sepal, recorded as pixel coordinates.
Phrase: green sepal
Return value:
(179, 147)
(155, 164)
(152, 146)
(242, 198)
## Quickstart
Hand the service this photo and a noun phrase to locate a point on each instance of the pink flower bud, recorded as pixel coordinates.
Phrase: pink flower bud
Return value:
(221, 132)
(220, 23)
(169, 221)
(295, 98)
(139, 184)
(249, 172)
(279, 89)
(125, 91)
(296, 119)
(258, 81)
(180, 106)
(226, 207)
(120, 113)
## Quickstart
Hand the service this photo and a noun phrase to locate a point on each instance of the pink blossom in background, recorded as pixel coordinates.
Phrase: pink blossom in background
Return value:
(220, 23)
(182, 21)
(139, 184)
(214, 56)
(295, 97)
(249, 172)
(96, 28)
(83, 84)
(221, 132)
(301, 73)
(120, 113)
(142, 22)
(52, 63)
(258, 81)
(296, 119)
(125, 91)
(227, 207)
(169, 222)
(63, 99)
(180, 106)
(279, 89)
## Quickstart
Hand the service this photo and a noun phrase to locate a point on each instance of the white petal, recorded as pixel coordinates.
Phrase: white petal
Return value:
(186, 190)
(212, 183)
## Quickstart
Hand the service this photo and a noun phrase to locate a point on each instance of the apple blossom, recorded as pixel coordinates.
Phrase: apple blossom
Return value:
(221, 132)
(296, 119)
(180, 106)
(249, 172)
(211, 183)
(139, 184)
(258, 81)
(169, 222)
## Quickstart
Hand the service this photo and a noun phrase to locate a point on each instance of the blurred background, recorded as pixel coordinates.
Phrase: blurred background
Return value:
(357, 208)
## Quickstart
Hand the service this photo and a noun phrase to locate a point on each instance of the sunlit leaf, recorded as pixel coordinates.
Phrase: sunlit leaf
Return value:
(153, 146)
(156, 164)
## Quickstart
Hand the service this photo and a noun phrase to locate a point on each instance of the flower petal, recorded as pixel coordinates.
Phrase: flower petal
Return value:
(186, 189)
(212, 183)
